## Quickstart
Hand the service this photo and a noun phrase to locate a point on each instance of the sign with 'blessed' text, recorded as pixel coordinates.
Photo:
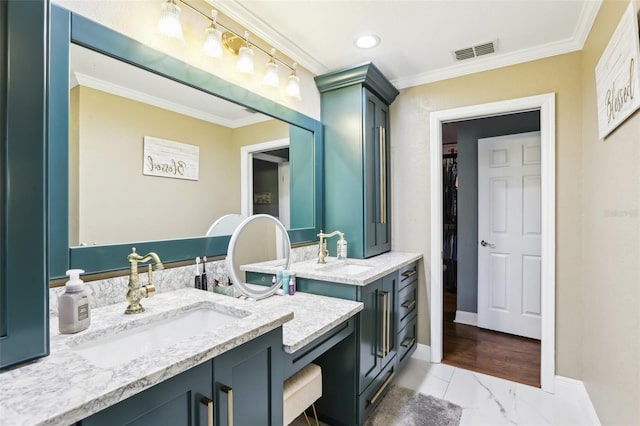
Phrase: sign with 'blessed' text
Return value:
(617, 86)
(170, 159)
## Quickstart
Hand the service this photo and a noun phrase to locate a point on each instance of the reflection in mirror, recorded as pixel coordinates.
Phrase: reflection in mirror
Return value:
(259, 238)
(114, 106)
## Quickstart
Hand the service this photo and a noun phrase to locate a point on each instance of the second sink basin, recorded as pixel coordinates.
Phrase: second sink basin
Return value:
(119, 348)
(346, 267)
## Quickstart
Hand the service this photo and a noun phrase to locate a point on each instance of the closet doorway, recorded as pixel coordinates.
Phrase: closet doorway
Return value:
(489, 166)
(544, 105)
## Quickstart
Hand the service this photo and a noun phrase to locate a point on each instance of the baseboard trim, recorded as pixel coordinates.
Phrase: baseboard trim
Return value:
(468, 318)
(569, 386)
(422, 352)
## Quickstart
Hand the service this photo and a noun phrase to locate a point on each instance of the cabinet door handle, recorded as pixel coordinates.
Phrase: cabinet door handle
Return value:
(382, 388)
(383, 173)
(408, 342)
(388, 296)
(229, 392)
(383, 325)
(409, 305)
(209, 403)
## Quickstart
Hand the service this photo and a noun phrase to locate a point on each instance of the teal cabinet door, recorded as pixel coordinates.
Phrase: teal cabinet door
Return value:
(355, 113)
(370, 334)
(377, 182)
(248, 383)
(179, 401)
(377, 328)
(24, 275)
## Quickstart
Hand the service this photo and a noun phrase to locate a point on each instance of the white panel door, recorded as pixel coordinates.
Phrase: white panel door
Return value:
(509, 230)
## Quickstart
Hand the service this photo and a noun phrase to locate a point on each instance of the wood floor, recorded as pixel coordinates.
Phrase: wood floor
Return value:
(497, 354)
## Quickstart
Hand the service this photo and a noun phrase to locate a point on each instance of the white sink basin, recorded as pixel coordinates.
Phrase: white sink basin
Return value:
(346, 267)
(119, 348)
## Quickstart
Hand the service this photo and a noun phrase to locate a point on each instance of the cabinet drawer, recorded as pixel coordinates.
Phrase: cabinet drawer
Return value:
(371, 397)
(407, 304)
(407, 341)
(408, 274)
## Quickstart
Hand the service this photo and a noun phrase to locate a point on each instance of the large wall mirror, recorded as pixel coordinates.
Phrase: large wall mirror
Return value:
(131, 109)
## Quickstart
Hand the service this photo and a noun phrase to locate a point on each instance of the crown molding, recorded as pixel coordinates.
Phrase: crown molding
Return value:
(125, 92)
(488, 63)
(236, 11)
(587, 17)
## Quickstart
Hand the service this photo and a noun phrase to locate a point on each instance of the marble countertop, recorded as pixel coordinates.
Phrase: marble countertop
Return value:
(66, 387)
(349, 271)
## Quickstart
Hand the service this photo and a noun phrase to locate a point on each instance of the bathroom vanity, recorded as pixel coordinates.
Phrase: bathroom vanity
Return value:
(385, 334)
(235, 366)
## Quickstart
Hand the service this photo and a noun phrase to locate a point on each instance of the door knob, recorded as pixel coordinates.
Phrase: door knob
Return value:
(484, 243)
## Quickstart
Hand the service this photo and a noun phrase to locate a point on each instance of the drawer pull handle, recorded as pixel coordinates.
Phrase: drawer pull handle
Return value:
(382, 388)
(408, 342)
(209, 403)
(229, 392)
(409, 305)
(410, 273)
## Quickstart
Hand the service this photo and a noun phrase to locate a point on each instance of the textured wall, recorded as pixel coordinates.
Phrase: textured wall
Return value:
(611, 246)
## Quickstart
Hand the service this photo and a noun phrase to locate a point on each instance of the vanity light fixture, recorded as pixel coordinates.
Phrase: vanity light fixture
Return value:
(367, 41)
(271, 77)
(232, 41)
(213, 39)
(169, 23)
(245, 57)
(292, 90)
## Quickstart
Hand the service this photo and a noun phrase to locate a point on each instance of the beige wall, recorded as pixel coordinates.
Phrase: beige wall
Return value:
(117, 203)
(410, 171)
(610, 287)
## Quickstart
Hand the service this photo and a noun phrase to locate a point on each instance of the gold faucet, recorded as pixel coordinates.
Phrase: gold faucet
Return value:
(136, 291)
(322, 245)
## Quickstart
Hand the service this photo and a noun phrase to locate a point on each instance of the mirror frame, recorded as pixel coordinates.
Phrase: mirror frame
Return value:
(68, 27)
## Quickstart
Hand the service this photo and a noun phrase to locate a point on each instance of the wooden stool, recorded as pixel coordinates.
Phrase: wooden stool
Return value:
(301, 391)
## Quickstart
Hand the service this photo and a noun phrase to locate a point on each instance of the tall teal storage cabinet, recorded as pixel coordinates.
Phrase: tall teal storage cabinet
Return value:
(24, 275)
(355, 113)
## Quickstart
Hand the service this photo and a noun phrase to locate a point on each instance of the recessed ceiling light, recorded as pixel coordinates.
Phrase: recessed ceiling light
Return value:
(367, 41)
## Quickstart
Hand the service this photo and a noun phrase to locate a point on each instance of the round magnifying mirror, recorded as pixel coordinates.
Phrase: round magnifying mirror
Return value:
(262, 239)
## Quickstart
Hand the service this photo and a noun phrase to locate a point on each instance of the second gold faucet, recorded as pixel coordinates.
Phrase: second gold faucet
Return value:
(341, 252)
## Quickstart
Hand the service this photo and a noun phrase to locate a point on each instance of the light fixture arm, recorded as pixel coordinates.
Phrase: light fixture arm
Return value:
(245, 37)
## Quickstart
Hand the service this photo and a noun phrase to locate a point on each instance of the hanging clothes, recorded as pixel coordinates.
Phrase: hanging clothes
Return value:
(450, 218)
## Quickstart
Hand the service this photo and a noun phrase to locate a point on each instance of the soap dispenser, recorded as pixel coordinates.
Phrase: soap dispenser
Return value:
(341, 250)
(73, 305)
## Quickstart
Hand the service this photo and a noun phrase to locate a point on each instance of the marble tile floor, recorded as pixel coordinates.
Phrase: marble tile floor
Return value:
(487, 400)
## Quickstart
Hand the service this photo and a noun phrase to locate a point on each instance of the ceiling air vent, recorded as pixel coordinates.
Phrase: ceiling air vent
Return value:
(475, 51)
(484, 49)
(463, 54)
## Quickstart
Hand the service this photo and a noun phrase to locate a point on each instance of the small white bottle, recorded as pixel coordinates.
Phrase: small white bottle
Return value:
(73, 305)
(341, 250)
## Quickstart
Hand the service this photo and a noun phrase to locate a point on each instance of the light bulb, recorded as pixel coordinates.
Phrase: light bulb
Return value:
(292, 90)
(271, 77)
(213, 42)
(169, 23)
(245, 60)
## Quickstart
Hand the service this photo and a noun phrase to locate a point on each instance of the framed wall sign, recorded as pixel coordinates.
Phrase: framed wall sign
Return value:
(170, 159)
(617, 86)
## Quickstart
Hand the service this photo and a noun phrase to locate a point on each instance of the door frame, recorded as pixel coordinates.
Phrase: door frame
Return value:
(546, 104)
(246, 170)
